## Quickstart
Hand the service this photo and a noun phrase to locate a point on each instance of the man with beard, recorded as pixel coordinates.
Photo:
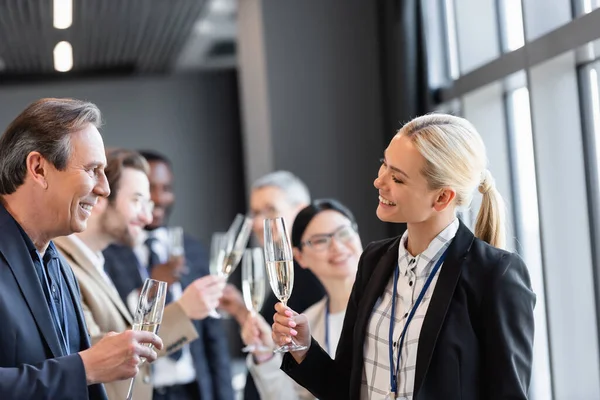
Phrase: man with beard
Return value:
(120, 218)
(202, 366)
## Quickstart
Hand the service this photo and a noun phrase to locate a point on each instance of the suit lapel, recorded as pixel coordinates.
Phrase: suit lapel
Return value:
(374, 287)
(76, 300)
(14, 250)
(67, 245)
(440, 301)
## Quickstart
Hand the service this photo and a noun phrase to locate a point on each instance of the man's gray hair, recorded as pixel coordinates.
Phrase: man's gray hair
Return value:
(44, 126)
(295, 190)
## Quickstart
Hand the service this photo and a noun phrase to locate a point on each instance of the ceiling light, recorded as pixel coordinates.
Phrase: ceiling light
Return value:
(63, 13)
(63, 57)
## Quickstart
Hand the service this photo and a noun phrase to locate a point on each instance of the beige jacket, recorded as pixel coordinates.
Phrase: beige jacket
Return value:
(104, 312)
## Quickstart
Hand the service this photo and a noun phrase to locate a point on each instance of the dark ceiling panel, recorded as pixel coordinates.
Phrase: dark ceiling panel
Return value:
(106, 34)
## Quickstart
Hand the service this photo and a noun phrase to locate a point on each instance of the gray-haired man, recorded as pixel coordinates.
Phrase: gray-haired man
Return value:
(277, 194)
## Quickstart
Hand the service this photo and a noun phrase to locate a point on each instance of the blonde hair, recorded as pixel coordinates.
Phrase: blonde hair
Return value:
(455, 158)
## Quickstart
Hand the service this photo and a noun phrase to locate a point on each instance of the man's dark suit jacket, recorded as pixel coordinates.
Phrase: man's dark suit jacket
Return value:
(477, 336)
(210, 351)
(32, 363)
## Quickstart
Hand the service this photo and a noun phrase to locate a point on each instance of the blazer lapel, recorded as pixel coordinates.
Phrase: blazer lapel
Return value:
(76, 299)
(440, 301)
(67, 245)
(14, 250)
(380, 276)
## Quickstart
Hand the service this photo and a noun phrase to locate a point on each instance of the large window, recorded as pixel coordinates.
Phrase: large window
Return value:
(586, 6)
(514, 65)
(511, 15)
(528, 228)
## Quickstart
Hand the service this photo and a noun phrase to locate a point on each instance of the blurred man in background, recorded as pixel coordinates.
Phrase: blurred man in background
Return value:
(120, 219)
(203, 366)
(278, 194)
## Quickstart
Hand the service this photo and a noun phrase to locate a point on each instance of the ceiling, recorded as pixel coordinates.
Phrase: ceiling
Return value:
(118, 36)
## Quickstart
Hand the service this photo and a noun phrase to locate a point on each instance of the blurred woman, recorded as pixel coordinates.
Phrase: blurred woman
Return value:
(440, 312)
(325, 240)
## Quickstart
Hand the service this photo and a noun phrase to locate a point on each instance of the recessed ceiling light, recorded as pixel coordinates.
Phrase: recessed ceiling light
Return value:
(63, 13)
(63, 57)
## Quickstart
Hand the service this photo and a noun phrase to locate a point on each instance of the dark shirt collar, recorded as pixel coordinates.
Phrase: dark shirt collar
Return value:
(50, 253)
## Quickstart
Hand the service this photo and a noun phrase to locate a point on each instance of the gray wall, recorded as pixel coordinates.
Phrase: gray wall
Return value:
(310, 82)
(193, 119)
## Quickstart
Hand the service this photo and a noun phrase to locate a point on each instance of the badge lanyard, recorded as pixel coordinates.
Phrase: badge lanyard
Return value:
(327, 326)
(395, 369)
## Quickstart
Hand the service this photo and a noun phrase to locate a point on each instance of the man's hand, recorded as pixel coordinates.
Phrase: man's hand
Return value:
(170, 271)
(202, 296)
(117, 356)
(233, 303)
(256, 331)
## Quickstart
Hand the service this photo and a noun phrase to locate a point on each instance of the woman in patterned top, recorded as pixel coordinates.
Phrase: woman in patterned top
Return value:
(439, 312)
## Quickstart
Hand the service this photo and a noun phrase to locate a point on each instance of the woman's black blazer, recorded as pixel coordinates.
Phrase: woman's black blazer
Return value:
(477, 336)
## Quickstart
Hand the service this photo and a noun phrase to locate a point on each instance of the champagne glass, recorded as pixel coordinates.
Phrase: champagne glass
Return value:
(175, 244)
(280, 267)
(218, 246)
(253, 287)
(149, 312)
(231, 248)
(236, 240)
(175, 234)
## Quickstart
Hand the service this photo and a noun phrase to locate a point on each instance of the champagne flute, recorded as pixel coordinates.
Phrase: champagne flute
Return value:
(175, 234)
(280, 267)
(236, 240)
(253, 287)
(175, 244)
(149, 312)
(218, 246)
(232, 247)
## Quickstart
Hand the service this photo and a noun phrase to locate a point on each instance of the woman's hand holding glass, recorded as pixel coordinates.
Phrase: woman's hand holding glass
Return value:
(289, 324)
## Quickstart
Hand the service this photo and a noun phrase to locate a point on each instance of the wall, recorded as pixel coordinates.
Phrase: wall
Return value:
(312, 101)
(193, 119)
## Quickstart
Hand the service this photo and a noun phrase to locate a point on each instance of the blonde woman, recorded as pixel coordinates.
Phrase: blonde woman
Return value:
(440, 312)
(326, 242)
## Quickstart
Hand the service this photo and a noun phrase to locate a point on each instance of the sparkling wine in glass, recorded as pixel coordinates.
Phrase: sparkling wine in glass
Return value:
(236, 240)
(253, 287)
(149, 312)
(280, 267)
(229, 247)
(218, 246)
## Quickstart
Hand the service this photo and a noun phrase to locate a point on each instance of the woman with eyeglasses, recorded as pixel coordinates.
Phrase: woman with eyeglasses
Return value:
(325, 240)
(439, 312)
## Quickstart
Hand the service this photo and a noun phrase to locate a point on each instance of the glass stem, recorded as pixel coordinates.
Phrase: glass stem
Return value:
(130, 392)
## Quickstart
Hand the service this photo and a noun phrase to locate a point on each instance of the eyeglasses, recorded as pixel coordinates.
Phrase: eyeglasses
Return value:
(142, 204)
(322, 242)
